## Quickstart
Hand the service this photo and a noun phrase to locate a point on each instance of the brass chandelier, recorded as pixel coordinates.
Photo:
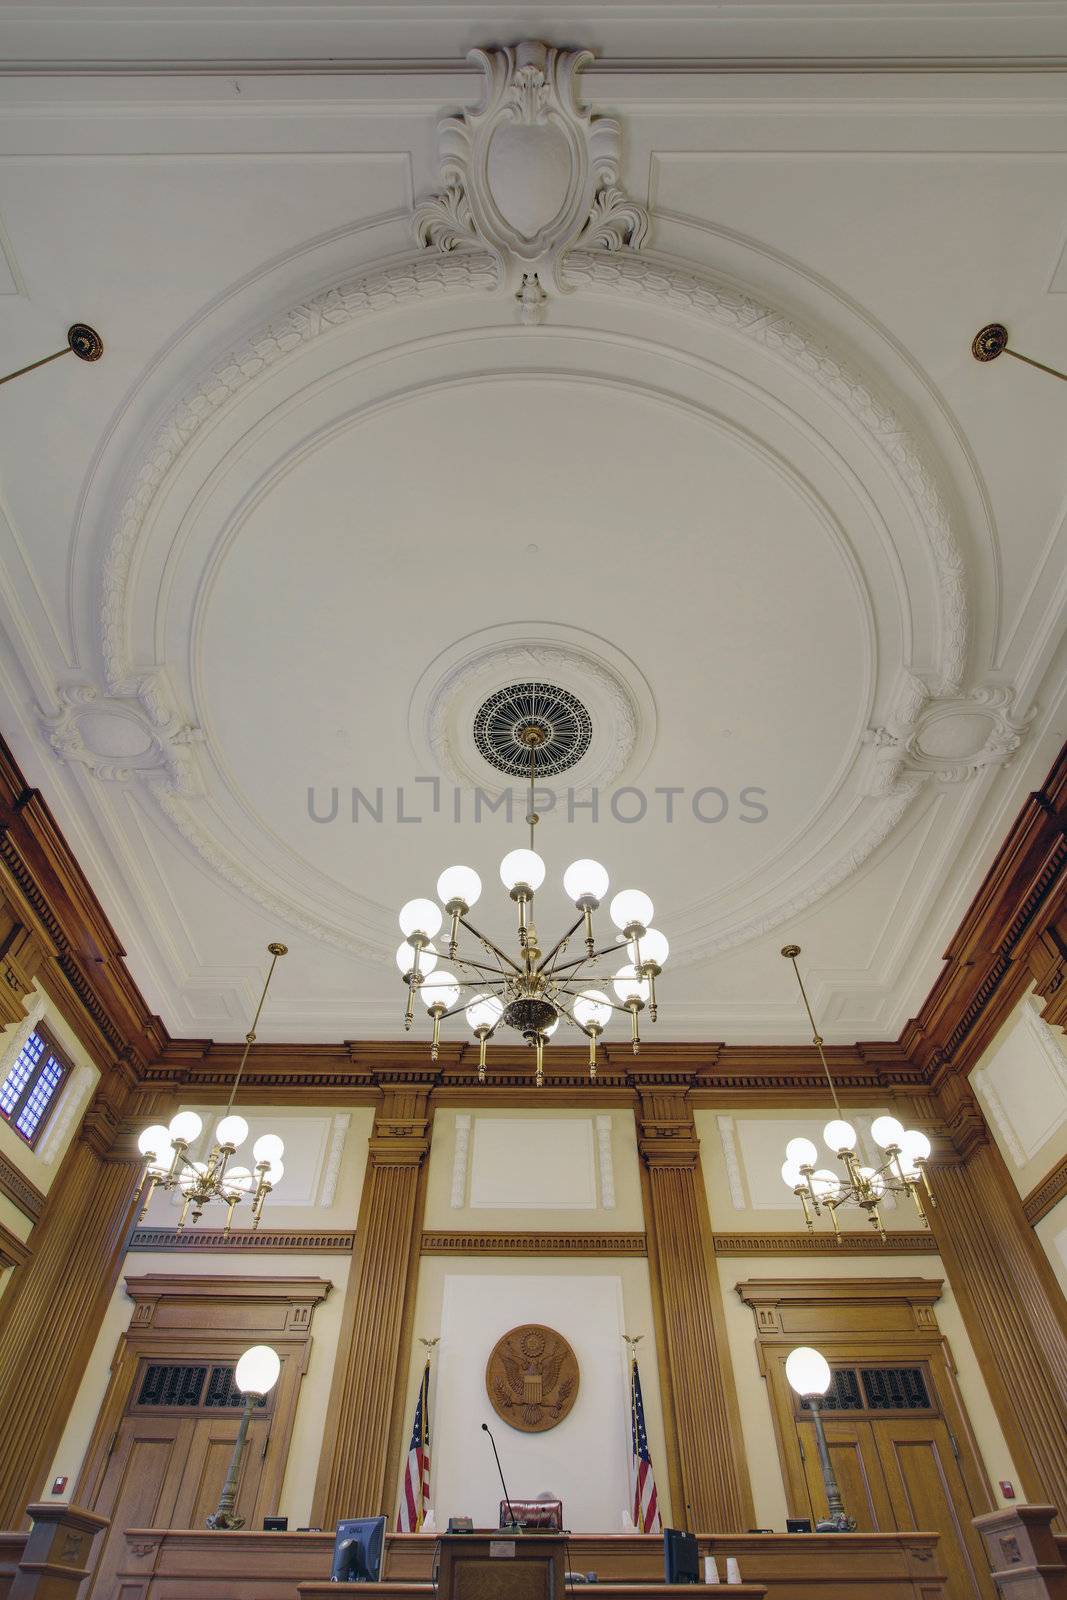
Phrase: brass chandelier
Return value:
(903, 1171)
(169, 1166)
(533, 990)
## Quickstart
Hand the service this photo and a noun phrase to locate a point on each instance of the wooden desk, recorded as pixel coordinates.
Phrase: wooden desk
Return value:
(192, 1564)
(495, 1564)
(606, 1591)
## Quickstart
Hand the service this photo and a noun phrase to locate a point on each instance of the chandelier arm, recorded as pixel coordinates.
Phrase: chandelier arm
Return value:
(560, 943)
(479, 966)
(625, 1010)
(501, 955)
(611, 949)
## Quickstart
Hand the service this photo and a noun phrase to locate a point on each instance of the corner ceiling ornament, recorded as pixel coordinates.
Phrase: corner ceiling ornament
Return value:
(530, 174)
(949, 738)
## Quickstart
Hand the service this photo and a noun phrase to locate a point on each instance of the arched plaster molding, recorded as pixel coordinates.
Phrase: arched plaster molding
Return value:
(691, 292)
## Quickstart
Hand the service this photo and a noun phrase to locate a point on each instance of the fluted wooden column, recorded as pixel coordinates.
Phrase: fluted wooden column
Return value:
(1011, 1302)
(50, 1317)
(356, 1469)
(699, 1391)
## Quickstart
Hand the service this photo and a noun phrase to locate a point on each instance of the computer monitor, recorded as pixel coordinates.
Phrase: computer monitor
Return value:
(681, 1561)
(357, 1550)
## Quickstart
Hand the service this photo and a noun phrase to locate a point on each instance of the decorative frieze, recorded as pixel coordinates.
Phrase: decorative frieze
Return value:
(447, 1243)
(1046, 1194)
(802, 1243)
(246, 1241)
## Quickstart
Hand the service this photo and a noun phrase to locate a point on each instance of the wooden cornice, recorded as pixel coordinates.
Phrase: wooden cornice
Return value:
(14, 1252)
(457, 1243)
(1009, 938)
(1046, 1194)
(38, 871)
(19, 1190)
(801, 1243)
(986, 968)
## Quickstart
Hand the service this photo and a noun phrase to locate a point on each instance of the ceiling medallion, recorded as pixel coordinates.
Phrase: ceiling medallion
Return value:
(530, 174)
(505, 723)
(533, 990)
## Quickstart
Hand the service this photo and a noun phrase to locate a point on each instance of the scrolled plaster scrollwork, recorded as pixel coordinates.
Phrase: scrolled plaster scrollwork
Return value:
(529, 174)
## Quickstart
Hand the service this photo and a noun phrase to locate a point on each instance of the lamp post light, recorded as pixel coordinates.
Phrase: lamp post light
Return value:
(256, 1374)
(809, 1374)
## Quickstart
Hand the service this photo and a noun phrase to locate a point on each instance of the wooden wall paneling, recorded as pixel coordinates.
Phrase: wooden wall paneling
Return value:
(1013, 1307)
(50, 1316)
(356, 1468)
(691, 1332)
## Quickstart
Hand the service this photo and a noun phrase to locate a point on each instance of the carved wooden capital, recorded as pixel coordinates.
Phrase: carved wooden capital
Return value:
(1047, 960)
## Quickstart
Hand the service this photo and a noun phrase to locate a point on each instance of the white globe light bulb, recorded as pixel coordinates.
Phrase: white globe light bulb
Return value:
(627, 985)
(585, 880)
(825, 1184)
(186, 1126)
(274, 1174)
(439, 989)
(154, 1141)
(808, 1371)
(654, 947)
(405, 958)
(258, 1369)
(914, 1146)
(459, 884)
(802, 1152)
(792, 1176)
(631, 909)
(268, 1147)
(238, 1180)
(484, 1011)
(522, 866)
(886, 1131)
(592, 1009)
(232, 1130)
(420, 916)
(839, 1136)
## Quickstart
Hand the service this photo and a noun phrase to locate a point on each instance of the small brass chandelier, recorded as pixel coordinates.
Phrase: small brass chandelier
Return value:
(533, 990)
(818, 1190)
(169, 1167)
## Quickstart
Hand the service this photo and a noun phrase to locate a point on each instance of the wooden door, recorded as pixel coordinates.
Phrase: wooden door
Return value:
(139, 1487)
(857, 1469)
(170, 1455)
(926, 1487)
(897, 1470)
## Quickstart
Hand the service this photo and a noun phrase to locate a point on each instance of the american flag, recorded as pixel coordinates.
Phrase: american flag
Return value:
(646, 1506)
(415, 1490)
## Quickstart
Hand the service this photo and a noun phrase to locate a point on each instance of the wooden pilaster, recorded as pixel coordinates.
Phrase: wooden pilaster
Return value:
(699, 1392)
(355, 1475)
(1012, 1305)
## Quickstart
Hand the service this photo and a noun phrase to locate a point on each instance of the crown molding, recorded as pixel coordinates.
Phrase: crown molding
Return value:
(245, 1241)
(821, 1244)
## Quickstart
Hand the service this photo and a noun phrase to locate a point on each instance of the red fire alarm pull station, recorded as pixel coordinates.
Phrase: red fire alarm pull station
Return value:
(59, 1484)
(1007, 1489)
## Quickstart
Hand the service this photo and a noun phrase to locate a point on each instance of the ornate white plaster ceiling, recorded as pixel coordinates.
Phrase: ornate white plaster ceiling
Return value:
(364, 450)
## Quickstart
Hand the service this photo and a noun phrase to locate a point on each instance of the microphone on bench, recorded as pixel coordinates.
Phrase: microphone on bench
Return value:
(500, 1470)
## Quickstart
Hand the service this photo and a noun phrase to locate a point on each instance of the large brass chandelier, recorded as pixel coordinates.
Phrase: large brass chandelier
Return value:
(169, 1166)
(533, 989)
(903, 1171)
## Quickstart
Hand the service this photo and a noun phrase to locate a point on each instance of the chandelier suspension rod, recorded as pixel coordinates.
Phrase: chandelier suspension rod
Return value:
(276, 950)
(791, 951)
